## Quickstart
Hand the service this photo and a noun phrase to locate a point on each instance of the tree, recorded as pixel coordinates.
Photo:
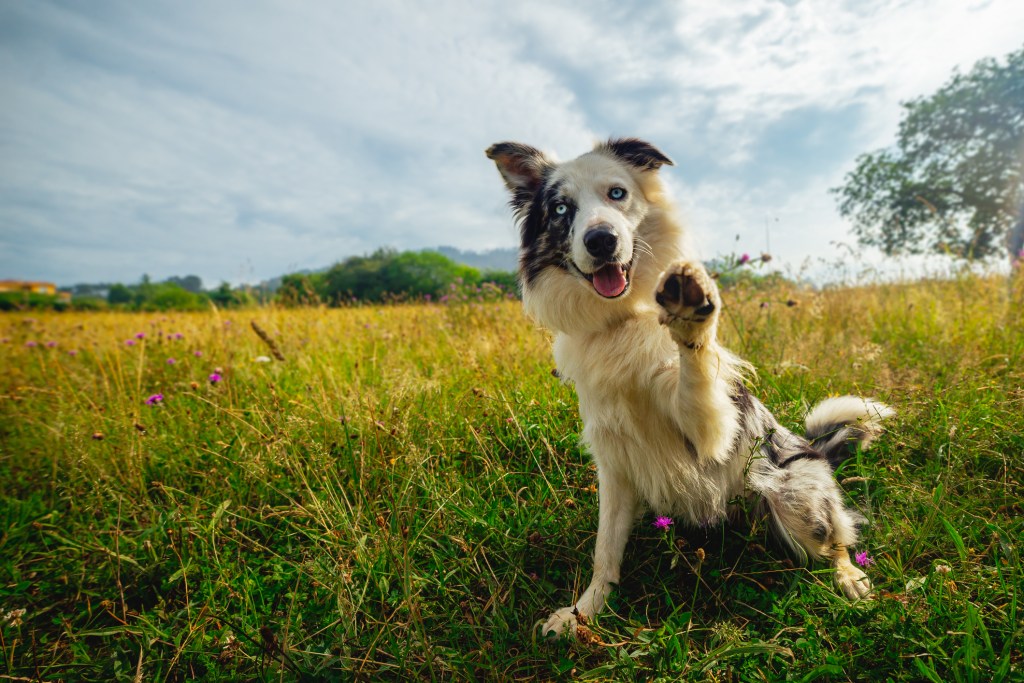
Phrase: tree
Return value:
(226, 297)
(387, 273)
(954, 183)
(119, 294)
(190, 283)
(300, 289)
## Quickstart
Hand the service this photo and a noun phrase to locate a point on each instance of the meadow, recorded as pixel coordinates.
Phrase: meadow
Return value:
(404, 497)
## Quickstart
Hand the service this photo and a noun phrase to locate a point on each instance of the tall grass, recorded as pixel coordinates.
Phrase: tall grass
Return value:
(404, 497)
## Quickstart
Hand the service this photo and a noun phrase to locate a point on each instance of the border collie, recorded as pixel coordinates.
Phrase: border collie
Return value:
(604, 264)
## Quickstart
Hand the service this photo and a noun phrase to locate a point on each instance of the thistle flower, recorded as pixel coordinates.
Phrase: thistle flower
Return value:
(744, 259)
(197, 354)
(140, 335)
(51, 344)
(154, 399)
(73, 352)
(129, 342)
(31, 344)
(171, 361)
(215, 377)
(863, 559)
(662, 523)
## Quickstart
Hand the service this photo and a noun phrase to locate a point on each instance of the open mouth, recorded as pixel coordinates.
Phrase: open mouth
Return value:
(610, 280)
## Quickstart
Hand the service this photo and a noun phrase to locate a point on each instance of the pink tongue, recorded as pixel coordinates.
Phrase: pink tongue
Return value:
(609, 281)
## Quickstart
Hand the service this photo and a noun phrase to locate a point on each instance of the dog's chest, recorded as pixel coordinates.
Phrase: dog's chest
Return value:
(626, 384)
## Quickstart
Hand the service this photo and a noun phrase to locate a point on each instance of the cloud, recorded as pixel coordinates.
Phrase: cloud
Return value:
(241, 140)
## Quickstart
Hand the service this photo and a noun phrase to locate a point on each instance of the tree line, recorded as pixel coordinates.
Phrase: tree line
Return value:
(388, 275)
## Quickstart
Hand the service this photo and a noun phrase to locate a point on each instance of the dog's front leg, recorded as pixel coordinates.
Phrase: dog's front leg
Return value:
(704, 408)
(617, 503)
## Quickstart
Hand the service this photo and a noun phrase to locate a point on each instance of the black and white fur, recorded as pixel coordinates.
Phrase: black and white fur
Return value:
(604, 264)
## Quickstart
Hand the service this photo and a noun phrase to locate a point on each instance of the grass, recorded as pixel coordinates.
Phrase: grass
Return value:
(404, 497)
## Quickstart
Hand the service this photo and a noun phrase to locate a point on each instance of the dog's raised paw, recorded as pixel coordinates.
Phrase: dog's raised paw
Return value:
(688, 299)
(560, 624)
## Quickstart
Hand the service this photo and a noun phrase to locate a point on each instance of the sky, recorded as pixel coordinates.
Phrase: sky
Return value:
(242, 140)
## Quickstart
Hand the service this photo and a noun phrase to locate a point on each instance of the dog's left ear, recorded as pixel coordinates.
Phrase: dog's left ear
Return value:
(637, 153)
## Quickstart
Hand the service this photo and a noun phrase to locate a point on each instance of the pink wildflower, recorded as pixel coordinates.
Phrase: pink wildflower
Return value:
(197, 354)
(72, 352)
(31, 344)
(140, 335)
(154, 399)
(171, 361)
(215, 377)
(129, 342)
(51, 344)
(863, 559)
(663, 523)
(744, 259)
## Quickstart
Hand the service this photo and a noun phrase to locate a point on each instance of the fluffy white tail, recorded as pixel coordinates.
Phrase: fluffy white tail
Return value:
(836, 426)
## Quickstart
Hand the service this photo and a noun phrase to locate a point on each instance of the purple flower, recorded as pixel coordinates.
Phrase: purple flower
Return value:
(744, 259)
(215, 377)
(863, 559)
(72, 352)
(663, 523)
(171, 361)
(154, 399)
(51, 344)
(197, 354)
(179, 335)
(129, 342)
(31, 344)
(140, 335)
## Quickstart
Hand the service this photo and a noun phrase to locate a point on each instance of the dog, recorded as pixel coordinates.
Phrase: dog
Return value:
(604, 264)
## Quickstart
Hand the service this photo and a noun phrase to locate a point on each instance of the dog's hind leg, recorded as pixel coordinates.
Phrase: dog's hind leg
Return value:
(809, 515)
(618, 509)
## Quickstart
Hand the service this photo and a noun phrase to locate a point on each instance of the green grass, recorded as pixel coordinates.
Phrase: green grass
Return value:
(405, 497)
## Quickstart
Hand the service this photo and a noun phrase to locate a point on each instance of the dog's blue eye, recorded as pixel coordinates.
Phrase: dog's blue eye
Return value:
(617, 193)
(561, 209)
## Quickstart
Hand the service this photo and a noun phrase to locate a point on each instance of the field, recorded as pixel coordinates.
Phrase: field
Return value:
(404, 497)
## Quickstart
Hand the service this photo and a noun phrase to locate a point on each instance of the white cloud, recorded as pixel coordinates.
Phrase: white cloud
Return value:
(242, 140)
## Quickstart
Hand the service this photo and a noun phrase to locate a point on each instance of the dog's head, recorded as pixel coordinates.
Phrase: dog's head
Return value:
(582, 221)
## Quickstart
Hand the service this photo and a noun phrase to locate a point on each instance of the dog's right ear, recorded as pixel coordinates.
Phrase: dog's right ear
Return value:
(523, 168)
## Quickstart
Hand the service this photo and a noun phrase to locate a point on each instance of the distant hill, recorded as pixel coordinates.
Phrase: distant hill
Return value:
(493, 259)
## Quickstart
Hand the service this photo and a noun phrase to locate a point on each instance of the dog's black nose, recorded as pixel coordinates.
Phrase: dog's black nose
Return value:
(600, 241)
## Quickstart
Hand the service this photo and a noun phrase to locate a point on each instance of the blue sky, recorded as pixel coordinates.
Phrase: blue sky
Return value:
(242, 140)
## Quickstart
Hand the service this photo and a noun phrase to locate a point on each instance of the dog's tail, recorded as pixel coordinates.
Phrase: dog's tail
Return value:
(836, 426)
